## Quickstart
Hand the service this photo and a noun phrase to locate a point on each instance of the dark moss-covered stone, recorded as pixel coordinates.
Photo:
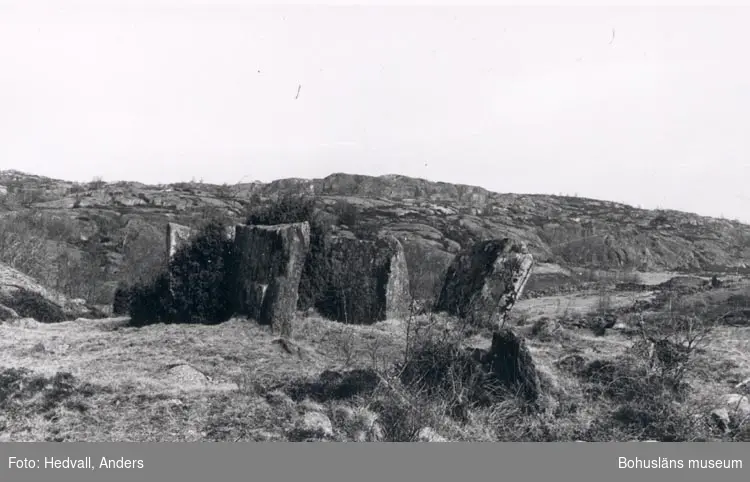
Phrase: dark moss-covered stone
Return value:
(366, 280)
(269, 266)
(484, 281)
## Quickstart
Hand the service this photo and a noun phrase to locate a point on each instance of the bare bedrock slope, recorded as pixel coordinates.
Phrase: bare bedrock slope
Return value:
(118, 222)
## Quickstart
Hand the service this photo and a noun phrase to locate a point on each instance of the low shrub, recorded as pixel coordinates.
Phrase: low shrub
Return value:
(644, 403)
(150, 301)
(196, 289)
(121, 302)
(200, 277)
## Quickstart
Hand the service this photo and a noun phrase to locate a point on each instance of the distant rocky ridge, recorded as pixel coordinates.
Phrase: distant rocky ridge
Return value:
(432, 220)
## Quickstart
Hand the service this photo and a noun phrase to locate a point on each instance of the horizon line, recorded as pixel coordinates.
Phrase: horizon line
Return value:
(489, 191)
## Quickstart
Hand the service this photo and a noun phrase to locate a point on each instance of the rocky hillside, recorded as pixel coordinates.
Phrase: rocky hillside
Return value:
(22, 296)
(119, 227)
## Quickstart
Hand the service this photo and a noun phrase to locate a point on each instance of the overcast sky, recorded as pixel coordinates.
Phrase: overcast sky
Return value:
(645, 106)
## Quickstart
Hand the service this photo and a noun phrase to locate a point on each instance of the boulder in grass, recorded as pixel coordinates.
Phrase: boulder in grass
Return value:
(7, 314)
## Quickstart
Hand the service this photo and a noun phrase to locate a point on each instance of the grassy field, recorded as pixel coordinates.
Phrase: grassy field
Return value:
(102, 380)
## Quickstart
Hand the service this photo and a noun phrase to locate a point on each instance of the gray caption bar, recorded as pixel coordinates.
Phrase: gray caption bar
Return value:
(373, 462)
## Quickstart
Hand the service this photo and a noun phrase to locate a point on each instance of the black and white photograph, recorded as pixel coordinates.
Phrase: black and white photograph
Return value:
(235, 222)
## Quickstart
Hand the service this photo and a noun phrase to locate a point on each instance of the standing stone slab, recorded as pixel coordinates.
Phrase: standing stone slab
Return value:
(231, 232)
(269, 267)
(397, 292)
(484, 281)
(177, 237)
(367, 279)
(510, 361)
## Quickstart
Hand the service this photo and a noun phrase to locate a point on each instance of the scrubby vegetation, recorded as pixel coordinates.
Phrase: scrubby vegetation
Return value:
(657, 380)
(122, 298)
(151, 302)
(196, 286)
(201, 274)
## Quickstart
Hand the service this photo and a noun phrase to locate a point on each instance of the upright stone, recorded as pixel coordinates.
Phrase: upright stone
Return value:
(484, 281)
(367, 280)
(177, 236)
(397, 293)
(269, 267)
(510, 361)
